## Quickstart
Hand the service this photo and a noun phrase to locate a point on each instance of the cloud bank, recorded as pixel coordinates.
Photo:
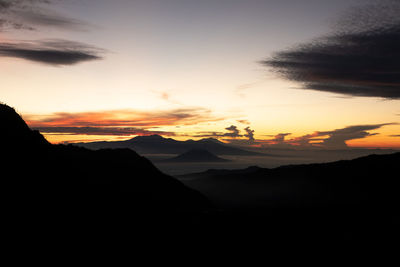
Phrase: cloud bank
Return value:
(110, 131)
(232, 133)
(118, 122)
(335, 139)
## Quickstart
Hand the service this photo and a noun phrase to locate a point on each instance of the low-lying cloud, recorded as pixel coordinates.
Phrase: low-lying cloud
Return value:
(30, 14)
(232, 133)
(110, 131)
(122, 118)
(335, 139)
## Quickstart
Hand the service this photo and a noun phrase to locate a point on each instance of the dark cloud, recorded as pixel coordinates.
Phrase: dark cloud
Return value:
(233, 131)
(208, 134)
(249, 134)
(361, 58)
(337, 139)
(232, 134)
(280, 138)
(51, 52)
(6, 5)
(29, 14)
(50, 19)
(115, 131)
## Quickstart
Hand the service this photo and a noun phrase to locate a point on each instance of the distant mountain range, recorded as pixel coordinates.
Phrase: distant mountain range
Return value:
(196, 155)
(156, 144)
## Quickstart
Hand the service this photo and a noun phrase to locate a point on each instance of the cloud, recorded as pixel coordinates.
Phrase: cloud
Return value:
(232, 134)
(30, 14)
(51, 52)
(233, 131)
(165, 96)
(50, 19)
(361, 58)
(114, 131)
(280, 138)
(336, 139)
(122, 118)
(249, 134)
(207, 134)
(243, 122)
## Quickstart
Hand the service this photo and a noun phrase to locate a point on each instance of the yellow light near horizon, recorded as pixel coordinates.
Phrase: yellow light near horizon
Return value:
(78, 138)
(376, 142)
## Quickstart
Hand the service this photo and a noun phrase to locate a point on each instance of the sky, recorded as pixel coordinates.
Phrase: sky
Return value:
(312, 73)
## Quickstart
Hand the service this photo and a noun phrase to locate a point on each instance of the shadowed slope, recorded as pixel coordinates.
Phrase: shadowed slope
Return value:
(62, 179)
(367, 183)
(67, 194)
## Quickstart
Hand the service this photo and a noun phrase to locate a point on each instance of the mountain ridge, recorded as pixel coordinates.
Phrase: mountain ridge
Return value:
(156, 144)
(72, 194)
(117, 178)
(365, 182)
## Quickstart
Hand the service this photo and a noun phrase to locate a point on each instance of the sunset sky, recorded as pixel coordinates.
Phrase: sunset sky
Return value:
(83, 70)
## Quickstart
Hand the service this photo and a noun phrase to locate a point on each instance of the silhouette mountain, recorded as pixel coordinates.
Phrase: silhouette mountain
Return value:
(76, 180)
(156, 144)
(69, 196)
(367, 183)
(197, 155)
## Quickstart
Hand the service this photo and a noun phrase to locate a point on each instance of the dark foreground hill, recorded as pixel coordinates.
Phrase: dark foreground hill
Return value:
(346, 202)
(196, 155)
(156, 144)
(52, 187)
(369, 183)
(71, 197)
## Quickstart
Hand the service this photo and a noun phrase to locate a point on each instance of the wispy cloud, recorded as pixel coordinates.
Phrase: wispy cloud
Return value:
(113, 131)
(244, 122)
(123, 118)
(335, 139)
(361, 58)
(30, 14)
